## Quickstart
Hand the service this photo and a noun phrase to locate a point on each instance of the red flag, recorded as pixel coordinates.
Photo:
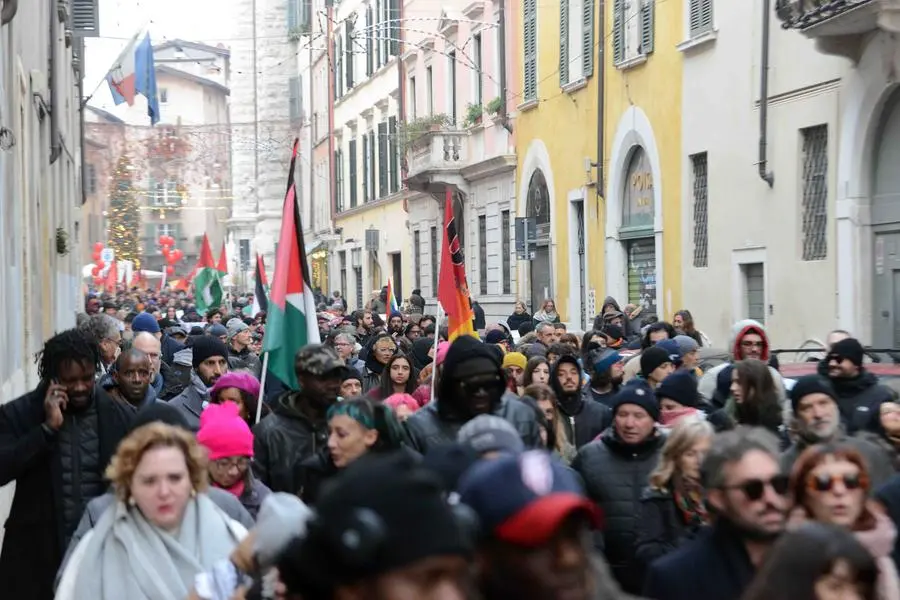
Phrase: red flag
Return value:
(206, 256)
(223, 261)
(453, 289)
(112, 278)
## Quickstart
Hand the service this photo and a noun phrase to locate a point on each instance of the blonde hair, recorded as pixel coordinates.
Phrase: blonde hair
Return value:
(155, 435)
(687, 432)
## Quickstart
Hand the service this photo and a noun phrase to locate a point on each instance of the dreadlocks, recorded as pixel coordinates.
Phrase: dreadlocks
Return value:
(72, 345)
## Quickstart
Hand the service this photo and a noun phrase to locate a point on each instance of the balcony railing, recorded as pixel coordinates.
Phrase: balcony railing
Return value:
(844, 17)
(438, 151)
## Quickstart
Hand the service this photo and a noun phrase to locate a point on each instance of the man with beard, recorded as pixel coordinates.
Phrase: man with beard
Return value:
(471, 383)
(536, 524)
(296, 427)
(209, 359)
(129, 382)
(395, 324)
(749, 340)
(857, 391)
(749, 493)
(55, 443)
(365, 326)
(583, 419)
(817, 420)
(606, 376)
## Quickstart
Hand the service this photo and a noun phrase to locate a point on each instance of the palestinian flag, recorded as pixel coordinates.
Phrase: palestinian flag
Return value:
(261, 289)
(222, 267)
(453, 289)
(291, 321)
(208, 291)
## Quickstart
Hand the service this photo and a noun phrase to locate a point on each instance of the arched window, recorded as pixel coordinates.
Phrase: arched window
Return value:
(538, 204)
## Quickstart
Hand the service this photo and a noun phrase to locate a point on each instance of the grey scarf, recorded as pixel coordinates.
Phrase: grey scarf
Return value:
(128, 557)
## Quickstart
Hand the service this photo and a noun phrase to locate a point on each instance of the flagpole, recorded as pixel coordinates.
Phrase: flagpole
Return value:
(262, 386)
(437, 341)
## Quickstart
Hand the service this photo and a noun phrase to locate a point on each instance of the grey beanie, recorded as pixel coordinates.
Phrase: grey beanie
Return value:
(490, 433)
(686, 343)
(235, 326)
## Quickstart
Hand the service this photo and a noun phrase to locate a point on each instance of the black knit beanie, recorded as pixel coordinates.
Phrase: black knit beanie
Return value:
(810, 384)
(680, 386)
(638, 393)
(206, 346)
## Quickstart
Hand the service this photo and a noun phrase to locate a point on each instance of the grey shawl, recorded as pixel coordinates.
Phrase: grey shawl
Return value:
(128, 557)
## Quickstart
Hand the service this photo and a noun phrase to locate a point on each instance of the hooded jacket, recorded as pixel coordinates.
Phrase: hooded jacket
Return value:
(192, 401)
(178, 375)
(707, 385)
(858, 398)
(440, 421)
(583, 419)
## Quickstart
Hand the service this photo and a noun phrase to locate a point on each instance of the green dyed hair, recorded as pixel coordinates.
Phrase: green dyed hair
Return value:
(371, 415)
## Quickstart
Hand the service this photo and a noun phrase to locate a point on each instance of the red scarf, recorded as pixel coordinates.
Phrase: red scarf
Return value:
(237, 489)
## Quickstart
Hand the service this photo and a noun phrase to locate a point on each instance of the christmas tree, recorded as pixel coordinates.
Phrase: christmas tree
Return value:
(124, 214)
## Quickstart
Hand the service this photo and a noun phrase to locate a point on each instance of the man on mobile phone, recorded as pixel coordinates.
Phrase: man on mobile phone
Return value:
(55, 443)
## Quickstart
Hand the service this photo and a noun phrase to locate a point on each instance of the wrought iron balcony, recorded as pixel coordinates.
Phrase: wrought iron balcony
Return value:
(819, 18)
(437, 157)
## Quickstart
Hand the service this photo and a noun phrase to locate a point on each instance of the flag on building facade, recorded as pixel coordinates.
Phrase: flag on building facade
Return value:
(291, 320)
(453, 289)
(208, 291)
(261, 288)
(391, 300)
(134, 72)
(223, 261)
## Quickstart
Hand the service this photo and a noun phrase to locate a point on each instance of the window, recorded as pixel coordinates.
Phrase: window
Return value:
(295, 100)
(163, 95)
(505, 252)
(701, 17)
(348, 52)
(366, 183)
(435, 257)
(338, 180)
(576, 40)
(482, 255)
(394, 27)
(293, 15)
(167, 229)
(754, 291)
(429, 90)
(529, 92)
(382, 160)
(351, 162)
(370, 42)
(412, 97)
(451, 70)
(633, 30)
(479, 69)
(90, 179)
(417, 259)
(342, 261)
(372, 190)
(701, 202)
(815, 192)
(305, 15)
(393, 156)
(338, 67)
(244, 255)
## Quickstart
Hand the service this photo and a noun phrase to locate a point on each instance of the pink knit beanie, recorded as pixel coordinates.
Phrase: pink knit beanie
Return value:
(223, 432)
(442, 350)
(396, 400)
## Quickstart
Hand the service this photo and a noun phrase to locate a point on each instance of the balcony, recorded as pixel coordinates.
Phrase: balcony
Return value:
(838, 26)
(435, 159)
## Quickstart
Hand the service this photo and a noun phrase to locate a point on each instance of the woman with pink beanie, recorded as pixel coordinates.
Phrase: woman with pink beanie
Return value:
(242, 389)
(229, 443)
(403, 405)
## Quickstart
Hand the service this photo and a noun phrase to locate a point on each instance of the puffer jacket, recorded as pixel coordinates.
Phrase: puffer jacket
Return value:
(79, 456)
(192, 401)
(583, 420)
(858, 399)
(428, 428)
(178, 376)
(283, 440)
(615, 475)
(244, 360)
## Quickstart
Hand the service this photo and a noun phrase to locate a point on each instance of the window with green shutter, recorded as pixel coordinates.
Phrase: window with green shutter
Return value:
(618, 36)
(348, 53)
(382, 160)
(587, 38)
(701, 17)
(530, 50)
(393, 160)
(293, 15)
(648, 16)
(365, 168)
(351, 162)
(563, 42)
(370, 42)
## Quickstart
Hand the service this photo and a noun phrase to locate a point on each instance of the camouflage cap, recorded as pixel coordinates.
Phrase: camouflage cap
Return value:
(317, 359)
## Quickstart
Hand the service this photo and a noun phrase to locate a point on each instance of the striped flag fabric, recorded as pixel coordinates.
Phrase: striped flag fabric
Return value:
(208, 292)
(453, 289)
(291, 320)
(261, 288)
(391, 303)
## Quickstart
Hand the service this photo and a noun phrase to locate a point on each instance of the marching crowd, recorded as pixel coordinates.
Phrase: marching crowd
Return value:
(527, 462)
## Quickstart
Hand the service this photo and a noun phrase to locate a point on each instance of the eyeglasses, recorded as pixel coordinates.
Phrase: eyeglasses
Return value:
(825, 483)
(755, 488)
(240, 463)
(751, 344)
(470, 388)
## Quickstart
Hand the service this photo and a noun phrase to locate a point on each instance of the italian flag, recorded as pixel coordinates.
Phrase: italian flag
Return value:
(291, 320)
(207, 285)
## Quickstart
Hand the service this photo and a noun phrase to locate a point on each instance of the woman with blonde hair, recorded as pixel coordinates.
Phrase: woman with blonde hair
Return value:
(161, 532)
(673, 506)
(557, 441)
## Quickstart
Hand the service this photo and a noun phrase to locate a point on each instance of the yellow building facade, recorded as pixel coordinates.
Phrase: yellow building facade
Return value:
(641, 232)
(556, 117)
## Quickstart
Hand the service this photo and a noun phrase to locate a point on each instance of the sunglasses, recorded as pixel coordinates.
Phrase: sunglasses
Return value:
(754, 489)
(470, 388)
(825, 483)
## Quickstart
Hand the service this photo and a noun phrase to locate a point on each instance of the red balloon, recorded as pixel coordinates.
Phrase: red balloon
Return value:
(170, 270)
(170, 241)
(98, 247)
(162, 240)
(96, 256)
(100, 264)
(165, 251)
(171, 259)
(98, 280)
(179, 254)
(95, 271)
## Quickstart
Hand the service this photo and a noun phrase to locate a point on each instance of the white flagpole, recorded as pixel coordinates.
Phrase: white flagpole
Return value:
(262, 386)
(437, 341)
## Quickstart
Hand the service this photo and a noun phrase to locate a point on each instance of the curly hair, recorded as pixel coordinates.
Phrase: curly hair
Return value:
(147, 437)
(70, 346)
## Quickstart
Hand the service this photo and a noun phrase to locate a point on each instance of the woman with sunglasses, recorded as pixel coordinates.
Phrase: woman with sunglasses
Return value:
(831, 484)
(379, 352)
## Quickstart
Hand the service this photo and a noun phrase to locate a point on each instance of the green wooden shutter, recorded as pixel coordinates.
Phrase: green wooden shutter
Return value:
(293, 15)
(530, 49)
(382, 161)
(372, 166)
(587, 39)
(348, 52)
(394, 150)
(618, 37)
(351, 149)
(563, 42)
(365, 169)
(701, 16)
(648, 14)
(370, 42)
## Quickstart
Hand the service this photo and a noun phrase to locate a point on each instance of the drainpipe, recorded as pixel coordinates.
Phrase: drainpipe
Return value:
(763, 164)
(55, 104)
(10, 7)
(312, 139)
(255, 110)
(601, 100)
(329, 40)
(401, 85)
(81, 127)
(501, 52)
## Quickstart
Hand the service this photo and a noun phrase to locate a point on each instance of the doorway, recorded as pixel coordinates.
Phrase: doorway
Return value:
(397, 274)
(538, 207)
(886, 230)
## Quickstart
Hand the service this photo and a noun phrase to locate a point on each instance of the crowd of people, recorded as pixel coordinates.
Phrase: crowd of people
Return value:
(525, 462)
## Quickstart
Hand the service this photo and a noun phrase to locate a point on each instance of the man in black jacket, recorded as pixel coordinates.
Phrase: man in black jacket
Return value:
(858, 392)
(748, 492)
(296, 428)
(470, 383)
(583, 420)
(55, 443)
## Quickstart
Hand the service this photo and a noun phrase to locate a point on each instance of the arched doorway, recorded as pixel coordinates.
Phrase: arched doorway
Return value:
(538, 208)
(886, 229)
(636, 231)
